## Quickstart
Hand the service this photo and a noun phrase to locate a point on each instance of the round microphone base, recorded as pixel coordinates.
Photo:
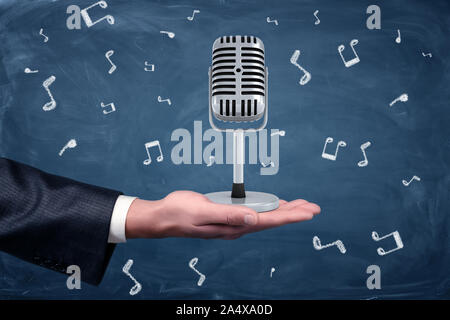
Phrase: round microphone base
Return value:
(258, 201)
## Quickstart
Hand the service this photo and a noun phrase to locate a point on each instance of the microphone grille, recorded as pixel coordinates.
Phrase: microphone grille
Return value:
(238, 78)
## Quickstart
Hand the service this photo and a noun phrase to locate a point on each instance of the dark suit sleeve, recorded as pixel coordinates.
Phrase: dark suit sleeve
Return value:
(54, 221)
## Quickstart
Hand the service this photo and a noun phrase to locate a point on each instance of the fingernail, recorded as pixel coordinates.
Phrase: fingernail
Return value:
(250, 220)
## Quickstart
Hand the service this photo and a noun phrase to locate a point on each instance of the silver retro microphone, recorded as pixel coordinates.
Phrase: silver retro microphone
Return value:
(238, 93)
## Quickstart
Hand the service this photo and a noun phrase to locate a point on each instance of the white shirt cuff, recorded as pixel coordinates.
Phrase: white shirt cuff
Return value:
(118, 219)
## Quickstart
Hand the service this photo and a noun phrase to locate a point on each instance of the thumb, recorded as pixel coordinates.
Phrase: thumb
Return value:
(233, 215)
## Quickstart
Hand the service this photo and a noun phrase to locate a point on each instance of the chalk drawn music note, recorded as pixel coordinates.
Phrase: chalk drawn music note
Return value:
(28, 70)
(211, 160)
(363, 147)
(332, 156)
(338, 243)
(272, 21)
(399, 37)
(401, 98)
(69, 145)
(170, 34)
(427, 54)
(280, 133)
(137, 286)
(353, 61)
(317, 18)
(41, 32)
(87, 19)
(272, 271)
(165, 100)
(113, 108)
(406, 183)
(52, 103)
(192, 264)
(113, 66)
(398, 242)
(152, 66)
(307, 76)
(149, 145)
(193, 14)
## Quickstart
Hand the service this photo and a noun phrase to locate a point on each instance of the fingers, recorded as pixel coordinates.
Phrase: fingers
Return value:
(232, 215)
(219, 231)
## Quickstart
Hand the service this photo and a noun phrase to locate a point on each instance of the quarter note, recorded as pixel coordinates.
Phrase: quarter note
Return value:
(192, 264)
(152, 66)
(272, 271)
(397, 238)
(170, 34)
(363, 147)
(113, 108)
(87, 19)
(353, 61)
(193, 14)
(272, 21)
(406, 183)
(317, 18)
(149, 145)
(338, 243)
(399, 37)
(137, 286)
(332, 156)
(306, 76)
(28, 70)
(52, 103)
(108, 54)
(165, 100)
(69, 145)
(401, 98)
(41, 32)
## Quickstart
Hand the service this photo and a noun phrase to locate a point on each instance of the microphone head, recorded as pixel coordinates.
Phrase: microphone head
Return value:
(238, 78)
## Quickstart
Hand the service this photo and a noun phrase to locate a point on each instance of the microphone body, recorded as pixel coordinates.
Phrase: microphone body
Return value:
(238, 82)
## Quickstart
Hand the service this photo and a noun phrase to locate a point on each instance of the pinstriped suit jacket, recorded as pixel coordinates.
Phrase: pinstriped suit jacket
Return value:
(54, 221)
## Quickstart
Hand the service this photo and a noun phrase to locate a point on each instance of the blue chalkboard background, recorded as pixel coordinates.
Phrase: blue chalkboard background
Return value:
(349, 104)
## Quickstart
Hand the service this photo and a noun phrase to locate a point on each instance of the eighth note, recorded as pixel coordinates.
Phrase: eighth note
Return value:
(42, 34)
(353, 61)
(397, 238)
(165, 100)
(307, 76)
(170, 34)
(338, 243)
(363, 147)
(150, 144)
(113, 108)
(399, 38)
(113, 66)
(193, 14)
(69, 145)
(192, 264)
(28, 70)
(137, 286)
(272, 21)
(52, 103)
(401, 98)
(315, 15)
(332, 156)
(406, 183)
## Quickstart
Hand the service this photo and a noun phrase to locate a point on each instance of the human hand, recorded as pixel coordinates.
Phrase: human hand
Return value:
(192, 215)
